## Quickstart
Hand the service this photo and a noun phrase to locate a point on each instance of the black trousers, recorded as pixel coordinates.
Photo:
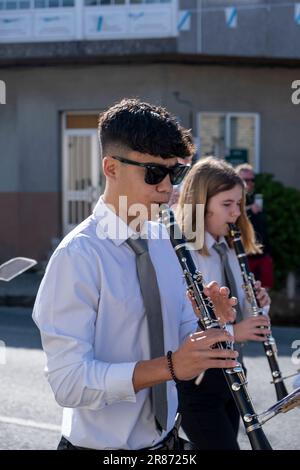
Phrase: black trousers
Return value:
(210, 417)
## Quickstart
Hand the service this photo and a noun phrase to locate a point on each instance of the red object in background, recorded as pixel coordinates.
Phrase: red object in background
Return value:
(262, 268)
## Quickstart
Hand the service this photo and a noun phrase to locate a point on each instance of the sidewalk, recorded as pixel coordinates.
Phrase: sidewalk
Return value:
(22, 290)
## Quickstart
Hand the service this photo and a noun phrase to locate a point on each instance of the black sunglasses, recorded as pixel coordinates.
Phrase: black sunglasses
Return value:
(249, 180)
(155, 172)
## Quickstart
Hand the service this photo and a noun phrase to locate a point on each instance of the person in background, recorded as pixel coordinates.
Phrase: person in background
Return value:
(261, 265)
(210, 417)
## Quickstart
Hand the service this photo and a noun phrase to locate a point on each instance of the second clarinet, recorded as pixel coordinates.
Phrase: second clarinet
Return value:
(234, 377)
(249, 286)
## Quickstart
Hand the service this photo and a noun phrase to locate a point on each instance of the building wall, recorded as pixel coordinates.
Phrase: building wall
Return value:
(30, 128)
(264, 28)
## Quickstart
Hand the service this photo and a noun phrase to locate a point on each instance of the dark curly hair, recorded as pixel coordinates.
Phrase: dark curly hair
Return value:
(135, 125)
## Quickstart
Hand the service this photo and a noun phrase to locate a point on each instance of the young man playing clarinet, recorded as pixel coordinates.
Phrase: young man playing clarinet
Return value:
(115, 321)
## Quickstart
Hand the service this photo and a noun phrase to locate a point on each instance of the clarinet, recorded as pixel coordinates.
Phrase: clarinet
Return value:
(249, 281)
(235, 377)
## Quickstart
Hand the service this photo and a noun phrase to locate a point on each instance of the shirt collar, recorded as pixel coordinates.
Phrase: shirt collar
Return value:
(111, 226)
(210, 241)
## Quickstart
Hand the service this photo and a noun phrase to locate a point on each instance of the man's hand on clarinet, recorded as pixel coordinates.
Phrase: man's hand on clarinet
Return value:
(197, 354)
(224, 305)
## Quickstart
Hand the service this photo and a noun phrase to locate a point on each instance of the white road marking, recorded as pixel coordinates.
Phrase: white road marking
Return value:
(29, 423)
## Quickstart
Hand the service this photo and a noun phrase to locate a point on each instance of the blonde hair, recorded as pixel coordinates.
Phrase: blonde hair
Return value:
(208, 177)
(244, 167)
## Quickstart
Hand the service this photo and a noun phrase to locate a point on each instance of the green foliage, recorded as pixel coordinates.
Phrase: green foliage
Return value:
(282, 206)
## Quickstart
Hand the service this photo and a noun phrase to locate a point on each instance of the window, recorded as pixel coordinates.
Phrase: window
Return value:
(233, 136)
(212, 135)
(14, 4)
(90, 3)
(26, 4)
(53, 3)
(11, 5)
(149, 1)
(242, 134)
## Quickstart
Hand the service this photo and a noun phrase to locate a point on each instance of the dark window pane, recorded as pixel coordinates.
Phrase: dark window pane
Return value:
(11, 5)
(39, 4)
(24, 4)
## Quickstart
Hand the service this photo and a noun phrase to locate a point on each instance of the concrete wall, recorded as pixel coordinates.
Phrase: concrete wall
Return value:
(30, 134)
(265, 28)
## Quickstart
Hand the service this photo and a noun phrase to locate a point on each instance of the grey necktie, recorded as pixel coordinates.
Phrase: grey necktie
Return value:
(150, 294)
(221, 248)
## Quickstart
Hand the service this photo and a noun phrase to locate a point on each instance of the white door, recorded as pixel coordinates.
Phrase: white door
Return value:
(81, 175)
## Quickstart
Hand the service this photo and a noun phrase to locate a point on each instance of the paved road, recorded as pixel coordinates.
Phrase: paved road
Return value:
(283, 431)
(30, 418)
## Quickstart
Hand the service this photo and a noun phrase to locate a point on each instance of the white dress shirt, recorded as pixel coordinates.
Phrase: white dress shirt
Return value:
(94, 330)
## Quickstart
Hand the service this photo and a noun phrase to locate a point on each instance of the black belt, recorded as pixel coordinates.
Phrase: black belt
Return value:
(170, 442)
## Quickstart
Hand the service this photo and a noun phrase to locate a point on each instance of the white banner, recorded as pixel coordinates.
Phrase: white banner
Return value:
(108, 22)
(231, 17)
(297, 13)
(54, 25)
(148, 23)
(184, 20)
(112, 24)
(15, 26)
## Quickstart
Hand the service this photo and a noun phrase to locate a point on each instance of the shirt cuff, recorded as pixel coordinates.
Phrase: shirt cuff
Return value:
(265, 310)
(229, 328)
(119, 384)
